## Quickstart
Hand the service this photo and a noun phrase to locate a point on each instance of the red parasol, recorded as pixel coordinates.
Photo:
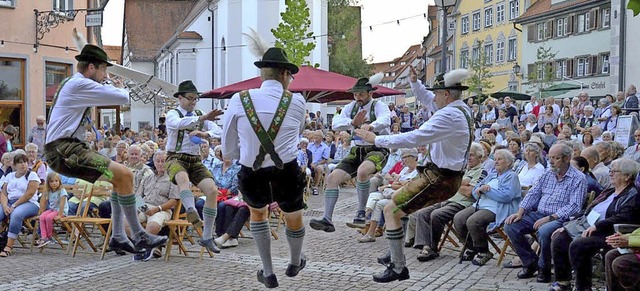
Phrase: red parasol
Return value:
(314, 84)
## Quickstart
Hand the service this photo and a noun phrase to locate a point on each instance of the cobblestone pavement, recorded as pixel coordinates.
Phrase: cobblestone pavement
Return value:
(336, 261)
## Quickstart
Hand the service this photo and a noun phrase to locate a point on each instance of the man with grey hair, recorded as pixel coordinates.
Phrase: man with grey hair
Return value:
(557, 196)
(631, 101)
(587, 120)
(450, 133)
(584, 101)
(429, 222)
(598, 168)
(633, 152)
(528, 109)
(604, 111)
(38, 135)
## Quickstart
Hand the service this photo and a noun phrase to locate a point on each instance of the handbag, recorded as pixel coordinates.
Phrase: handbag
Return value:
(576, 227)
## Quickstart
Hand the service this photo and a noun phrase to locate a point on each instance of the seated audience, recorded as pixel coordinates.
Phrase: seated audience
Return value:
(497, 196)
(18, 200)
(557, 196)
(574, 244)
(53, 204)
(582, 164)
(622, 264)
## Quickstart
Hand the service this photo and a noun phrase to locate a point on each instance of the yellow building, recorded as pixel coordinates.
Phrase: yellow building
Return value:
(490, 23)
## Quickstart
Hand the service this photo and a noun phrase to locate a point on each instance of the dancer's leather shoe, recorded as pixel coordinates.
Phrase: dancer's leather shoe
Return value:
(293, 271)
(389, 275)
(126, 246)
(269, 281)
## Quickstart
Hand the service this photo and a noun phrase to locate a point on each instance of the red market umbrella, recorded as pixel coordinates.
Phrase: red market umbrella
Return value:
(314, 84)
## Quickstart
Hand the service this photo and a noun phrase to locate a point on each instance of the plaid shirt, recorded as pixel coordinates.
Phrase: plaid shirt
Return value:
(561, 197)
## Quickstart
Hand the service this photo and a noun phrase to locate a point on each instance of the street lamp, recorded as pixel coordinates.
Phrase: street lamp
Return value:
(516, 69)
(444, 5)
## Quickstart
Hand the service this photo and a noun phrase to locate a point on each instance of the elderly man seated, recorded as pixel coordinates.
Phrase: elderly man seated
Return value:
(599, 170)
(633, 152)
(558, 195)
(429, 222)
(320, 155)
(36, 164)
(160, 196)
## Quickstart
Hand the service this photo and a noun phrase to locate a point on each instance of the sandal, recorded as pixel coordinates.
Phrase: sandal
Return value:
(427, 254)
(482, 258)
(6, 253)
(512, 265)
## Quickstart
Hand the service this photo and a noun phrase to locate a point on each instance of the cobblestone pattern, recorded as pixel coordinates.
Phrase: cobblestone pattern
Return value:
(336, 261)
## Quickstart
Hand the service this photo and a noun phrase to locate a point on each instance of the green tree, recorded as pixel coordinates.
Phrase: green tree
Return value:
(635, 6)
(345, 54)
(480, 80)
(542, 73)
(292, 34)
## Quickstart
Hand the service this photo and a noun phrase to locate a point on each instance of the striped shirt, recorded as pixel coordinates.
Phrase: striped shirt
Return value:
(562, 197)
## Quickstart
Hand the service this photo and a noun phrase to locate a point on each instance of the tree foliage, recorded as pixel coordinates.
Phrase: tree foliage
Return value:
(480, 80)
(635, 6)
(344, 56)
(543, 72)
(292, 34)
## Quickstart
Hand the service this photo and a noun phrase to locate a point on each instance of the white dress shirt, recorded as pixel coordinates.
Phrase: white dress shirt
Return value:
(78, 94)
(447, 131)
(381, 126)
(239, 141)
(188, 124)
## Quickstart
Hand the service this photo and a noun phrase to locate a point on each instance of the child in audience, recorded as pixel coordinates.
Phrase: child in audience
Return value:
(54, 199)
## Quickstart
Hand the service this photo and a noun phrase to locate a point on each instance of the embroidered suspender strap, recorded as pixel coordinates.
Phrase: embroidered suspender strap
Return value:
(55, 97)
(470, 124)
(372, 112)
(266, 137)
(182, 131)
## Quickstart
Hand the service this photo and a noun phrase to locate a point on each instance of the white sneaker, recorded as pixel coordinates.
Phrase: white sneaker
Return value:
(230, 243)
(219, 242)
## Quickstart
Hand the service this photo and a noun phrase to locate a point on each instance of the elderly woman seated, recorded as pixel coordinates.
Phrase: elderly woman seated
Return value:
(580, 239)
(498, 195)
(230, 217)
(377, 200)
(531, 167)
(18, 199)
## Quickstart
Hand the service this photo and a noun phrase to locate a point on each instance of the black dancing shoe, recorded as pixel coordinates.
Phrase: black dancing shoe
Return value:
(544, 276)
(293, 271)
(270, 281)
(209, 244)
(389, 275)
(322, 224)
(125, 246)
(149, 241)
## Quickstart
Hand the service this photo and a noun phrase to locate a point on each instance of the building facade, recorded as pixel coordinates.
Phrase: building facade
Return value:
(487, 26)
(578, 33)
(36, 54)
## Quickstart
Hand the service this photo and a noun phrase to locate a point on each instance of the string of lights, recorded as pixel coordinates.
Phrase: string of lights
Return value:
(36, 46)
(396, 21)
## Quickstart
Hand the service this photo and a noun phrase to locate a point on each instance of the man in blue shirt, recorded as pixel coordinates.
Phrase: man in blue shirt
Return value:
(320, 157)
(557, 196)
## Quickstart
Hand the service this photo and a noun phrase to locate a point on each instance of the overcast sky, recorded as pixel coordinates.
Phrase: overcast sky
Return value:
(384, 42)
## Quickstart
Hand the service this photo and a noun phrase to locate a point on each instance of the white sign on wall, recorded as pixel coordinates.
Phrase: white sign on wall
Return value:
(93, 19)
(627, 124)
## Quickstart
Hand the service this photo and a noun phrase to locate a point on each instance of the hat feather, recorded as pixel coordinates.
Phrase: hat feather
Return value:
(376, 79)
(456, 76)
(79, 39)
(257, 45)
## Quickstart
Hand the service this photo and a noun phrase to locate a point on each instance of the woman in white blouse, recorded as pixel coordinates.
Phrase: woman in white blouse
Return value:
(530, 168)
(18, 199)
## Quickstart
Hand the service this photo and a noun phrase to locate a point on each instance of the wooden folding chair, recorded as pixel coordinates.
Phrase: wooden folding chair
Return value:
(30, 226)
(178, 232)
(447, 237)
(79, 224)
(79, 191)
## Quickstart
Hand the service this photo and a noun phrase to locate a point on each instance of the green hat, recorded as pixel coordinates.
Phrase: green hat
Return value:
(276, 57)
(362, 85)
(92, 53)
(451, 80)
(186, 87)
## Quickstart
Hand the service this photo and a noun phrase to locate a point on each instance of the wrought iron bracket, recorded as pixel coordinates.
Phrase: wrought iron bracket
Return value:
(47, 20)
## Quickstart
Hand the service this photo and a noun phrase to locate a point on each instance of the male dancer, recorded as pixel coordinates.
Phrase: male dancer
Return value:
(364, 159)
(67, 155)
(186, 127)
(269, 169)
(449, 134)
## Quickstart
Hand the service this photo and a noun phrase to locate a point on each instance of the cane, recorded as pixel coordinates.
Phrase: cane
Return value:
(466, 239)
